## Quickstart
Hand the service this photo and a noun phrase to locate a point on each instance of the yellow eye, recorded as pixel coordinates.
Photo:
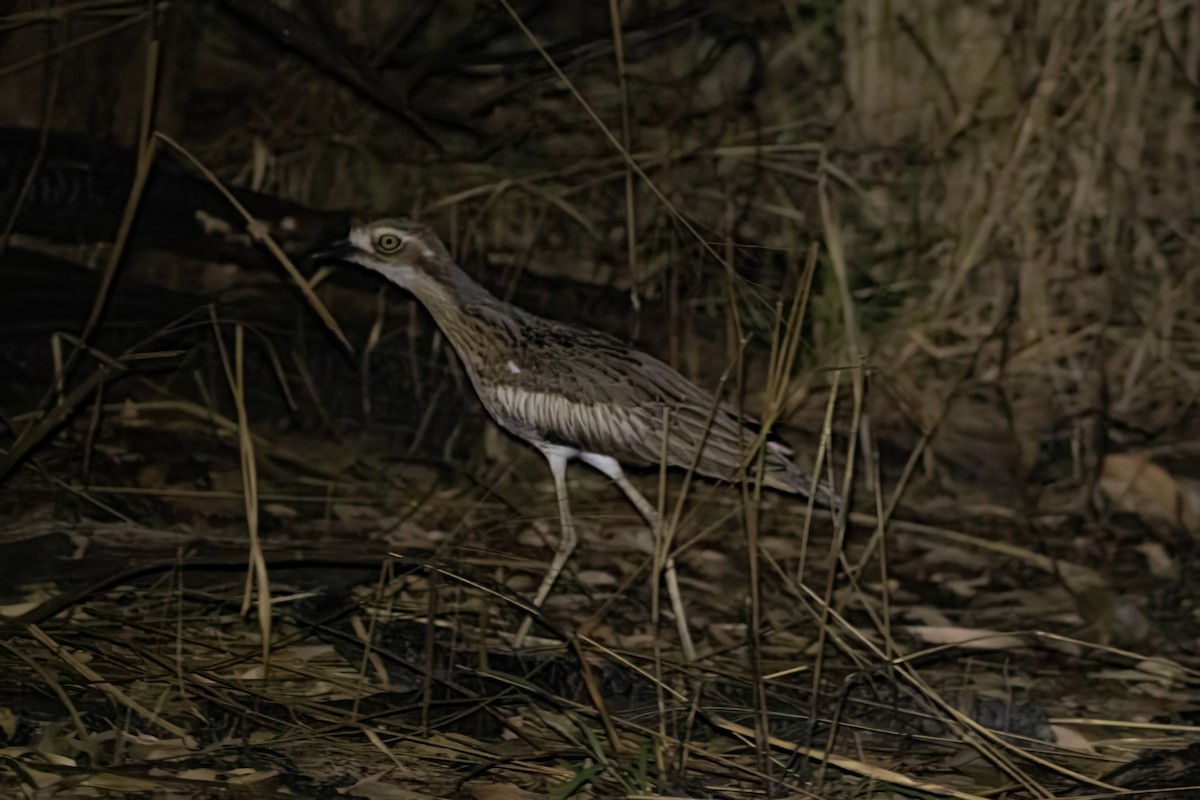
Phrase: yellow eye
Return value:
(388, 243)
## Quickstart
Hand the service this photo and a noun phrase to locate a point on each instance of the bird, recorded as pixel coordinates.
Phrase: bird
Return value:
(571, 392)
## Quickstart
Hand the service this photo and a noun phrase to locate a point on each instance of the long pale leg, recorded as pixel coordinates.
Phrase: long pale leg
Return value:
(558, 468)
(612, 469)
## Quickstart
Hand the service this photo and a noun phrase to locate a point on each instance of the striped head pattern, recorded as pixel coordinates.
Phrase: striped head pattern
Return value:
(401, 250)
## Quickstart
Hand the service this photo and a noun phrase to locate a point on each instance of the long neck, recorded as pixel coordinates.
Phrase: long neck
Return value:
(469, 315)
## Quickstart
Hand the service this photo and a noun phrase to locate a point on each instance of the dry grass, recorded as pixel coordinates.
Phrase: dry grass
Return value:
(992, 345)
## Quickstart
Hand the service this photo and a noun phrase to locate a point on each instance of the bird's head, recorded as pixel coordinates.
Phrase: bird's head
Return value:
(403, 251)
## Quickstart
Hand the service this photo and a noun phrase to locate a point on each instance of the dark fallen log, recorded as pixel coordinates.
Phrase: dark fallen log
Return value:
(41, 293)
(80, 187)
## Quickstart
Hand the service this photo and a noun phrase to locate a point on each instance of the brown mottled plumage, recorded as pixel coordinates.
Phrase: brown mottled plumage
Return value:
(568, 391)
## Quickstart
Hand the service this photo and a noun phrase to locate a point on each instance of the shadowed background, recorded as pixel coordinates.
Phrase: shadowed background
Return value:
(1005, 201)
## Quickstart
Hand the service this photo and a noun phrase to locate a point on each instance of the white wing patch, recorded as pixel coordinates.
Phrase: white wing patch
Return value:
(525, 412)
(513, 368)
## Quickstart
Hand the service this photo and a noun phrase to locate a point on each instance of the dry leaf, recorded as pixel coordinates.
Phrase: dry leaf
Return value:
(596, 578)
(1163, 668)
(245, 775)
(23, 755)
(1134, 483)
(8, 722)
(927, 615)
(1071, 739)
(197, 774)
(498, 791)
(965, 587)
(280, 511)
(1160, 562)
(124, 784)
(373, 787)
(348, 512)
(972, 638)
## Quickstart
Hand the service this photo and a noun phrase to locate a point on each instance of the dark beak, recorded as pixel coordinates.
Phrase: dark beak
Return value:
(335, 251)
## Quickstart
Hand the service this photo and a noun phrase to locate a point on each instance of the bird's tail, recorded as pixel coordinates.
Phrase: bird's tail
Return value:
(784, 474)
